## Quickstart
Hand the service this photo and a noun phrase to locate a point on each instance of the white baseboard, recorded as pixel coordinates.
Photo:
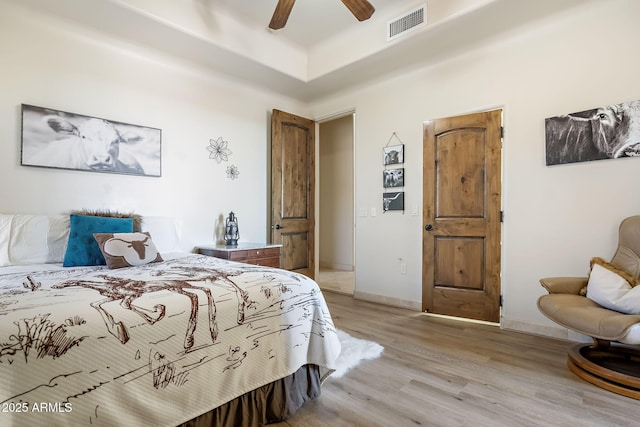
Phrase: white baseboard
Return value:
(394, 302)
(336, 266)
(536, 329)
(557, 332)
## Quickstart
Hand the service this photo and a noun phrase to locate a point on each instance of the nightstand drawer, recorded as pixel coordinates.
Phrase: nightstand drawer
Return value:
(238, 255)
(250, 253)
(263, 252)
(265, 262)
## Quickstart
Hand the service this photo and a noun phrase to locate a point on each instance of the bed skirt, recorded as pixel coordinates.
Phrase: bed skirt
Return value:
(270, 403)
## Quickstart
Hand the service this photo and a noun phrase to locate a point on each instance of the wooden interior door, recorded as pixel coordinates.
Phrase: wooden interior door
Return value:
(461, 214)
(293, 190)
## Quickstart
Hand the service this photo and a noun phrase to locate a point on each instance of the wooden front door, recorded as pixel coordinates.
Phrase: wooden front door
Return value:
(462, 192)
(293, 190)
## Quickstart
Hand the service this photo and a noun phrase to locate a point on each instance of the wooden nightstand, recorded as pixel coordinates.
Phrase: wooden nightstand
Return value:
(264, 254)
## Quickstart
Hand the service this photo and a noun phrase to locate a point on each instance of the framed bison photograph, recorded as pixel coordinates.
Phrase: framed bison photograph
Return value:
(58, 139)
(608, 132)
(393, 155)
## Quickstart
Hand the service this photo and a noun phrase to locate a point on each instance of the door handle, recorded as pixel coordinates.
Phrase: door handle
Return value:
(277, 227)
(428, 227)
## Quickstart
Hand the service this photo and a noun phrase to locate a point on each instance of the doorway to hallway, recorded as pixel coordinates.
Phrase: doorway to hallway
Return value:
(336, 213)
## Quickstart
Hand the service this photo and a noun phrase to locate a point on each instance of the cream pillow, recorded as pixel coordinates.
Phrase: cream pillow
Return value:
(127, 249)
(610, 289)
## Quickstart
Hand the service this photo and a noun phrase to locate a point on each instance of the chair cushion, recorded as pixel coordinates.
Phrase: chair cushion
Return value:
(585, 316)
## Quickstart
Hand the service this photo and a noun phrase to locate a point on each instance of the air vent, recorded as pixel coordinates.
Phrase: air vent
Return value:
(409, 21)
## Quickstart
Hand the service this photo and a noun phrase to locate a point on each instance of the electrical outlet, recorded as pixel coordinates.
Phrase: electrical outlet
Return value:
(403, 268)
(374, 212)
(362, 212)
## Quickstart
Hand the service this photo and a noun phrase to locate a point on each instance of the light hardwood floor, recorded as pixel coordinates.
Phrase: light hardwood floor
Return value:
(444, 372)
(339, 281)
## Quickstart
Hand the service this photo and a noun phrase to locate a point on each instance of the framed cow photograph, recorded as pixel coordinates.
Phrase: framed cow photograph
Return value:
(393, 155)
(608, 132)
(62, 140)
(392, 178)
(393, 201)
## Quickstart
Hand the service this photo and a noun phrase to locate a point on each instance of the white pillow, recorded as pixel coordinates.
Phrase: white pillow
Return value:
(165, 231)
(29, 239)
(612, 291)
(58, 237)
(32, 239)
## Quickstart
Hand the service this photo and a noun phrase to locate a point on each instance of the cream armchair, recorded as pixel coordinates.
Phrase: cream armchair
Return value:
(605, 363)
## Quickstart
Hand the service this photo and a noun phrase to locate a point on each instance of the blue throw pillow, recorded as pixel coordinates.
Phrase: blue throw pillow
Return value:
(82, 248)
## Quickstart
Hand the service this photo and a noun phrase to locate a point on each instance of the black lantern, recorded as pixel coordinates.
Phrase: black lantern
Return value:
(231, 233)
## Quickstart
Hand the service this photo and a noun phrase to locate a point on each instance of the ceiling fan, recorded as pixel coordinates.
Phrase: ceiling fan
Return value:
(361, 9)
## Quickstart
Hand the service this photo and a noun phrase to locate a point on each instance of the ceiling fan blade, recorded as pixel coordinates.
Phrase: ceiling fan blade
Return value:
(281, 14)
(361, 9)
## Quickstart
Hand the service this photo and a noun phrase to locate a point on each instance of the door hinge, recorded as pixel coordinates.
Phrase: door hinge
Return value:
(501, 131)
(500, 300)
(501, 216)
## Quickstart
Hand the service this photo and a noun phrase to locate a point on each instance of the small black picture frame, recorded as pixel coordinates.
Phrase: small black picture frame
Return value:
(392, 178)
(393, 154)
(393, 201)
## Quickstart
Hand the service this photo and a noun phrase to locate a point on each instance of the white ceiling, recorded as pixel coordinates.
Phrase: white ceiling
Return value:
(311, 21)
(323, 49)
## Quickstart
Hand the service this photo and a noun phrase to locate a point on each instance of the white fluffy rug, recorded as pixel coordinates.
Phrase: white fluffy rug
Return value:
(354, 350)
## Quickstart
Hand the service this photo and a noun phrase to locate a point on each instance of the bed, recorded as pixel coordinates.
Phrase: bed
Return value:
(184, 339)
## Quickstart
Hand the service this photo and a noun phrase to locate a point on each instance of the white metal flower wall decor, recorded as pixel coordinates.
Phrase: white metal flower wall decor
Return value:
(219, 150)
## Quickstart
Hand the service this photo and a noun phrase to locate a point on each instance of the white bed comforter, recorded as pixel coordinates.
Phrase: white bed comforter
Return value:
(151, 345)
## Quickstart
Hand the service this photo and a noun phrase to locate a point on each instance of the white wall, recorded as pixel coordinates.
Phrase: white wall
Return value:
(53, 63)
(336, 193)
(556, 218)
